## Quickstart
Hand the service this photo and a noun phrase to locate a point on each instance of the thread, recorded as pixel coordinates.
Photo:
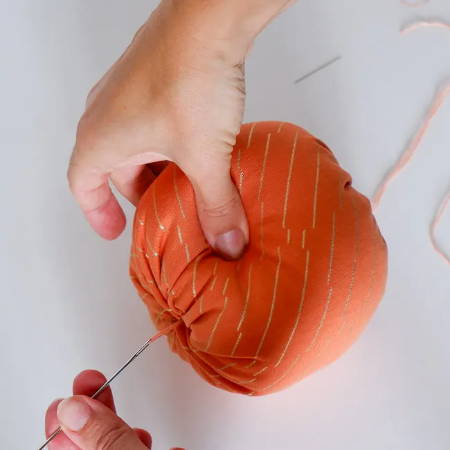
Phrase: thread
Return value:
(435, 223)
(415, 4)
(424, 24)
(411, 150)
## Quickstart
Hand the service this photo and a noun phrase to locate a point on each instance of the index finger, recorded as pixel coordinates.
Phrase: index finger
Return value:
(87, 383)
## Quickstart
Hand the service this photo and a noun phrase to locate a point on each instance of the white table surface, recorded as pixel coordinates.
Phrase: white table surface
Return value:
(67, 302)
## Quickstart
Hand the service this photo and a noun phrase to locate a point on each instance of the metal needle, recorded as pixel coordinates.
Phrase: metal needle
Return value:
(108, 382)
(318, 69)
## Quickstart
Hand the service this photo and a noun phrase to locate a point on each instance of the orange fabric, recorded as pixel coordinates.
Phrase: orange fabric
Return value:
(310, 280)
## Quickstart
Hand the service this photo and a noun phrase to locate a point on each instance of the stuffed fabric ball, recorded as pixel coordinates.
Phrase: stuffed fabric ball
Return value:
(308, 283)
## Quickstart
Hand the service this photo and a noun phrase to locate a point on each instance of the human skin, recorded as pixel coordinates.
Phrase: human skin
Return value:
(176, 94)
(91, 424)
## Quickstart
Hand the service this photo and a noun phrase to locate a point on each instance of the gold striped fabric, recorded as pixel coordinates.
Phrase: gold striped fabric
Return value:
(311, 278)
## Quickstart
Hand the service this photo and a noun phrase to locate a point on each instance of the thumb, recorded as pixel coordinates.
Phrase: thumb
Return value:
(92, 192)
(220, 211)
(92, 426)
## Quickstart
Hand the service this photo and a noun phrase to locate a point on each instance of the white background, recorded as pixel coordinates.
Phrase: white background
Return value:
(67, 303)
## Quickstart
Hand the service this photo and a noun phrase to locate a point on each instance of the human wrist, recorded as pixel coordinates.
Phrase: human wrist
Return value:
(225, 26)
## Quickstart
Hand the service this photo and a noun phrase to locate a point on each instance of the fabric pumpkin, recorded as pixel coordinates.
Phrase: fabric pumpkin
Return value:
(307, 285)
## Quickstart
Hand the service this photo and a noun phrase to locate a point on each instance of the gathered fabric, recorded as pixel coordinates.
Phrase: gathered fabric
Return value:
(303, 291)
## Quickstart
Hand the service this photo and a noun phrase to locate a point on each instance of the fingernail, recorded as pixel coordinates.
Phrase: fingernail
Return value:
(73, 413)
(230, 244)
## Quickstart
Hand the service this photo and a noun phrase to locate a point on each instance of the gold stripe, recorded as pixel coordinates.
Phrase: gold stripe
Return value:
(180, 236)
(164, 275)
(280, 127)
(261, 230)
(288, 237)
(260, 371)
(289, 178)
(303, 239)
(147, 285)
(250, 135)
(263, 170)
(161, 226)
(149, 244)
(225, 286)
(272, 306)
(246, 381)
(284, 375)
(247, 297)
(252, 363)
(227, 366)
(201, 304)
(299, 311)
(186, 248)
(177, 194)
(354, 264)
(316, 188)
(241, 181)
(330, 289)
(214, 276)
(188, 255)
(228, 377)
(194, 278)
(322, 319)
(333, 237)
(236, 344)
(219, 318)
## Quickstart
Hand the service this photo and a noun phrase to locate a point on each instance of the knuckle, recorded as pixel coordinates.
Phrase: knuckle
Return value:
(112, 438)
(222, 209)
